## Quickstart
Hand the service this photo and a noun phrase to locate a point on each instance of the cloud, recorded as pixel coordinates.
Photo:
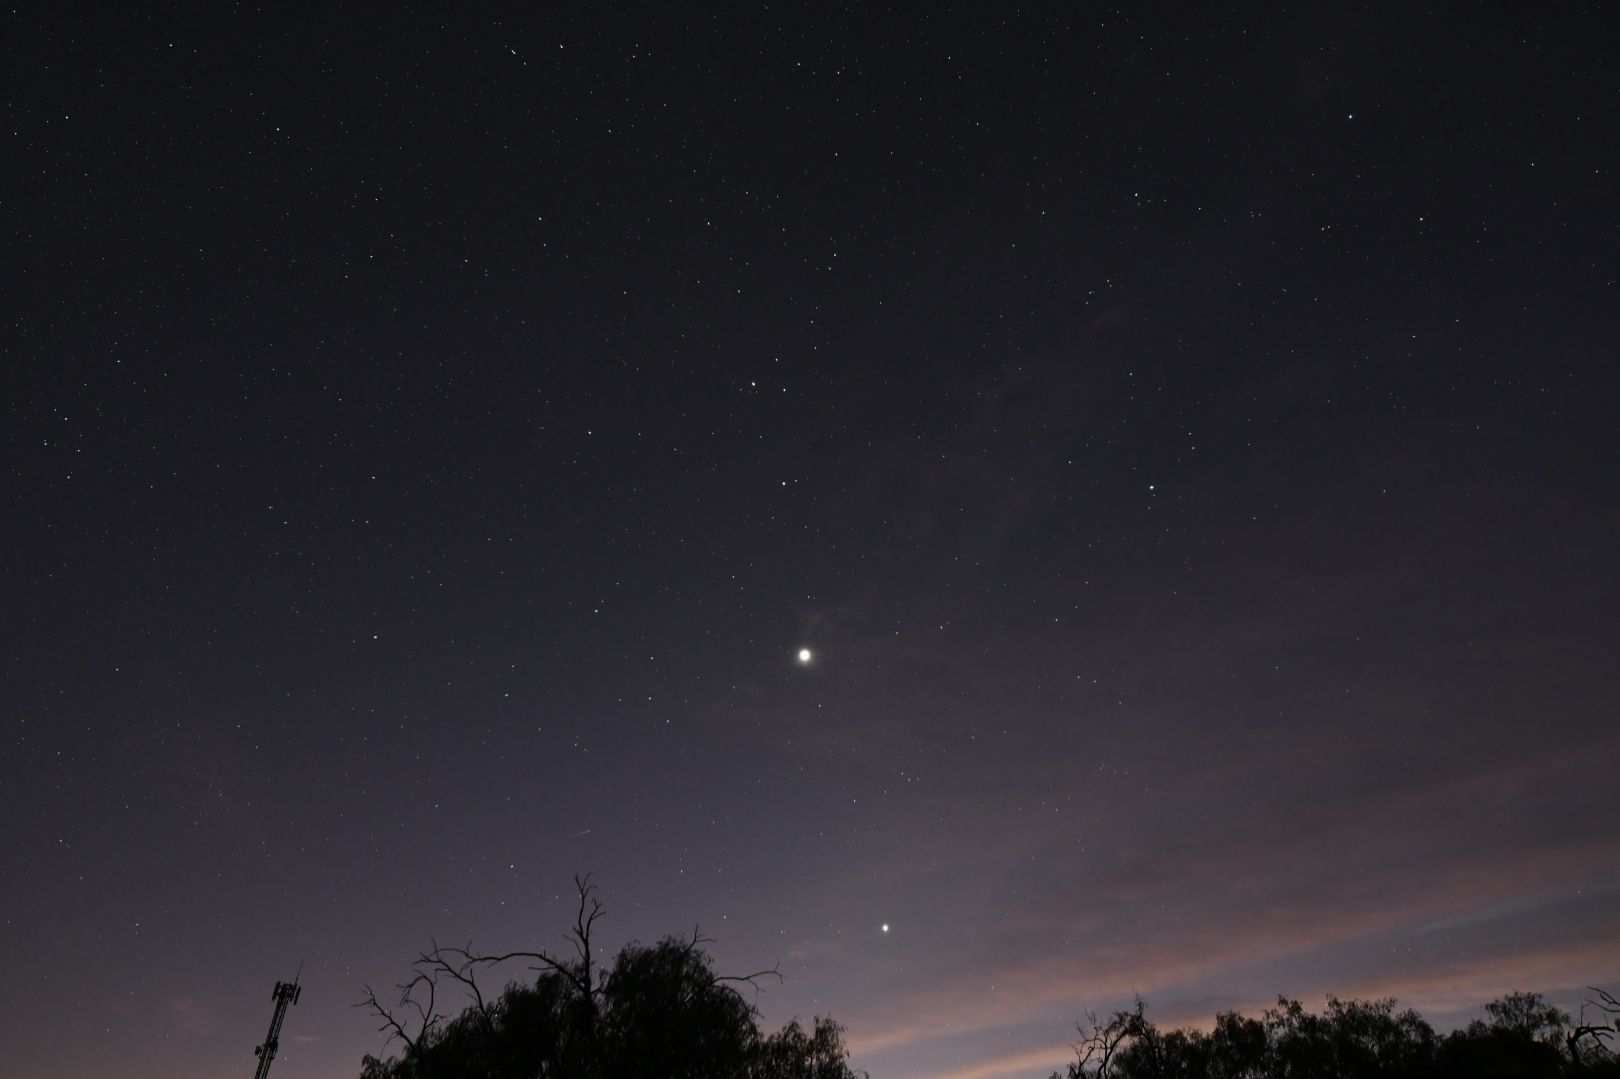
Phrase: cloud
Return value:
(1387, 892)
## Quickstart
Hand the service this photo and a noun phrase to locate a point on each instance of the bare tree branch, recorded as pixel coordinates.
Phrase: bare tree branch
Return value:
(460, 963)
(457, 964)
(586, 984)
(753, 979)
(590, 909)
(391, 1025)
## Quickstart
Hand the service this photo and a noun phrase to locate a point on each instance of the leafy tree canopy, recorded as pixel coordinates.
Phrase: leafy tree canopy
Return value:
(1522, 1036)
(658, 1012)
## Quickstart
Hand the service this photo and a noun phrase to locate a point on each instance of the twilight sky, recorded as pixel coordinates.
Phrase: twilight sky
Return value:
(1186, 443)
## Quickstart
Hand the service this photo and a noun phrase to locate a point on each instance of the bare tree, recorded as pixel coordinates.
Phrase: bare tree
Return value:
(427, 1014)
(1097, 1048)
(653, 1002)
(461, 966)
(1599, 1033)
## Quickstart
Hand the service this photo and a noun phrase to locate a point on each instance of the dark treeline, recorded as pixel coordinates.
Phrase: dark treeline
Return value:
(657, 1012)
(663, 1012)
(1521, 1036)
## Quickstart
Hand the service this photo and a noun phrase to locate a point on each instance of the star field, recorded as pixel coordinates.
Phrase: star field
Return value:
(994, 510)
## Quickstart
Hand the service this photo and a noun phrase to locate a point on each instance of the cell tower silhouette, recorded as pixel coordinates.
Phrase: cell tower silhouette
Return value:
(284, 994)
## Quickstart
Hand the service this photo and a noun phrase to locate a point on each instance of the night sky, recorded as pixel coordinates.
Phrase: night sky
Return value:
(1185, 442)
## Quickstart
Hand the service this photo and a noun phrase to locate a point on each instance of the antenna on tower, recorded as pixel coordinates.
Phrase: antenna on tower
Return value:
(284, 994)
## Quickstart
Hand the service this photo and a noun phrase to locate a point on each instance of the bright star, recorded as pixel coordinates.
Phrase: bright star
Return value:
(885, 927)
(805, 656)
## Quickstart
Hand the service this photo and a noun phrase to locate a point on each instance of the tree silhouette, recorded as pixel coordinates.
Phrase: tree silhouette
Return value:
(1589, 1042)
(1521, 1036)
(659, 1012)
(1102, 1044)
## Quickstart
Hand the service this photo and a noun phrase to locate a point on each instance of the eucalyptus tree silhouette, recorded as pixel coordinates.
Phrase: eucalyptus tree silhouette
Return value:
(658, 1012)
(1521, 1036)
